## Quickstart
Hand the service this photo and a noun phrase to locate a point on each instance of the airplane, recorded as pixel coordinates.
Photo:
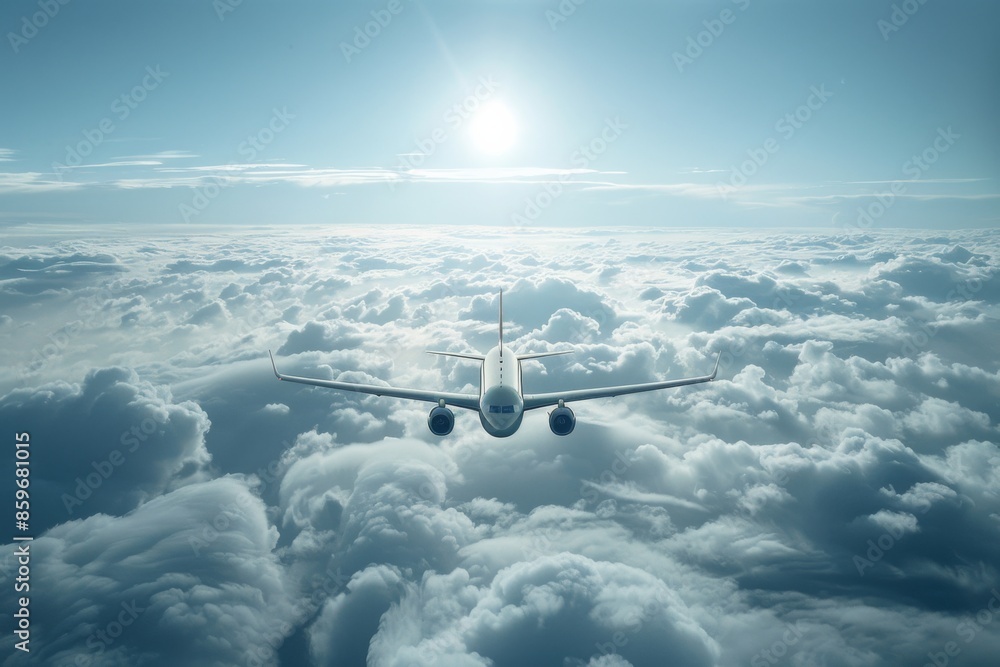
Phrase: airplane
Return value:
(501, 403)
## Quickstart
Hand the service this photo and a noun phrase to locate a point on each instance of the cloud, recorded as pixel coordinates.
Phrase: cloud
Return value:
(147, 172)
(161, 155)
(832, 494)
(158, 586)
(556, 608)
(33, 182)
(121, 442)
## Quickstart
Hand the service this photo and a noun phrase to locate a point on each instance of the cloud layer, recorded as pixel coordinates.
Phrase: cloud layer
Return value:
(833, 498)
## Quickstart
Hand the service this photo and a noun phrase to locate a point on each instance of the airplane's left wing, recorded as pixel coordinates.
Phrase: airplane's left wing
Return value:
(533, 401)
(467, 401)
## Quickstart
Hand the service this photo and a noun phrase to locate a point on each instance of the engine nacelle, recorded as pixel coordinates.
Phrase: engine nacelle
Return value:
(441, 420)
(562, 421)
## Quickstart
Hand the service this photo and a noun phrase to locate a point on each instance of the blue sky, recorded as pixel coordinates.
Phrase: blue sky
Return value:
(367, 133)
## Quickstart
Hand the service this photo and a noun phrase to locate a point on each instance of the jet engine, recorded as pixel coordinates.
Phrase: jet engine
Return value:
(441, 420)
(562, 421)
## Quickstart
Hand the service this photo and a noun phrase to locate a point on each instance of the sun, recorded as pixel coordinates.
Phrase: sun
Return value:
(493, 128)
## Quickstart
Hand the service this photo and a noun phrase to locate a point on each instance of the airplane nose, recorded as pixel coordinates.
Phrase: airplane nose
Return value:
(501, 406)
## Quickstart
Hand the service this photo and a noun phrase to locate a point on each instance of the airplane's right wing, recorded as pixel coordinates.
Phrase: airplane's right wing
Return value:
(533, 401)
(467, 401)
(542, 355)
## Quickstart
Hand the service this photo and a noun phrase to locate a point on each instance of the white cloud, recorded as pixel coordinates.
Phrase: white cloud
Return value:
(32, 181)
(857, 401)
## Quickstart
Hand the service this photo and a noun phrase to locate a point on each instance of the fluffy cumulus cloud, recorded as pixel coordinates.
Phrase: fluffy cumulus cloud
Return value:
(111, 442)
(832, 498)
(190, 577)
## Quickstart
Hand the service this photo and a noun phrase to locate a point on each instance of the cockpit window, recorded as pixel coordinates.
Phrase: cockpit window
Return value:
(502, 409)
(494, 409)
(508, 409)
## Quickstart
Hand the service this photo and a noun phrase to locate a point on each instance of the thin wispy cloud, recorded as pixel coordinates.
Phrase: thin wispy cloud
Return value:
(33, 183)
(121, 163)
(302, 175)
(162, 155)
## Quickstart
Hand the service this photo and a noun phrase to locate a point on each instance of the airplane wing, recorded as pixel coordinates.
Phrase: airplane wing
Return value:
(541, 355)
(460, 355)
(533, 401)
(467, 401)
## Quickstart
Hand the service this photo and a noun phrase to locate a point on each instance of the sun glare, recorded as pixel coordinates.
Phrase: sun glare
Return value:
(493, 128)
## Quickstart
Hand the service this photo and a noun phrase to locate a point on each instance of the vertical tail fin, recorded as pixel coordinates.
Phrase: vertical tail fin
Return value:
(501, 323)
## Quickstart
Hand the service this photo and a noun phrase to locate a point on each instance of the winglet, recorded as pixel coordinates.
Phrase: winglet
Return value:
(276, 373)
(716, 369)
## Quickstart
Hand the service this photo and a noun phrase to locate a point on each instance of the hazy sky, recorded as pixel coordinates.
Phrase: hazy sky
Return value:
(675, 113)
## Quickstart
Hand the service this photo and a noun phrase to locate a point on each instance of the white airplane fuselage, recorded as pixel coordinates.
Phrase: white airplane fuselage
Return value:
(501, 403)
